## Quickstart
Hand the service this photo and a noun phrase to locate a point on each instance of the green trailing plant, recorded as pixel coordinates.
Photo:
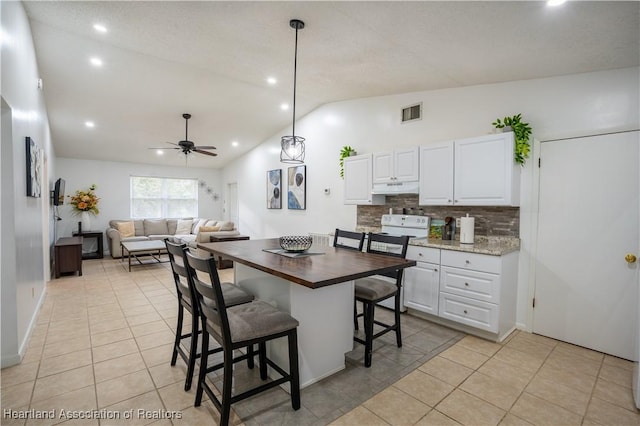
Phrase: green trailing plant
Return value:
(345, 152)
(522, 133)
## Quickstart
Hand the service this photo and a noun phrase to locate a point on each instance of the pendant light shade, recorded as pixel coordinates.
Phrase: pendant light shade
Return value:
(292, 147)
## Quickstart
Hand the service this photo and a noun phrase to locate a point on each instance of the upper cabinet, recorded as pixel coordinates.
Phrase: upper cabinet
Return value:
(401, 165)
(358, 181)
(470, 172)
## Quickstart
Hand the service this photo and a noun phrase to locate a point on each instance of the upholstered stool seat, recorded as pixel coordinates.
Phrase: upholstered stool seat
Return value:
(374, 289)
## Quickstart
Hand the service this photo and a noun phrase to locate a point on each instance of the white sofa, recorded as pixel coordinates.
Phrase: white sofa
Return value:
(175, 229)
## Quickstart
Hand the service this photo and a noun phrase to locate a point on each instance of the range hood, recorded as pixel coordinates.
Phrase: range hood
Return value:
(395, 188)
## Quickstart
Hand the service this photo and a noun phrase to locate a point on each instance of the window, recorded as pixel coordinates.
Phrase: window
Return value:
(163, 197)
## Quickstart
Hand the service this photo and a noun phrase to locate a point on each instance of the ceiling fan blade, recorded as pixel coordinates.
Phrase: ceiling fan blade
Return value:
(163, 147)
(175, 145)
(205, 147)
(213, 154)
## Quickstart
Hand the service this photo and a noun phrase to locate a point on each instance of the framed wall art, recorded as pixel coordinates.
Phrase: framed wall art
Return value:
(34, 168)
(274, 189)
(297, 191)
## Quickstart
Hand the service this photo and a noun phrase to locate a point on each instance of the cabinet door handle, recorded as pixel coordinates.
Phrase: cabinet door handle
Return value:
(467, 262)
(435, 269)
(466, 284)
(420, 254)
(465, 311)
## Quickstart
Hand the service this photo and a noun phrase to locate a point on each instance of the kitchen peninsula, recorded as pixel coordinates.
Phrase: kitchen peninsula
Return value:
(316, 289)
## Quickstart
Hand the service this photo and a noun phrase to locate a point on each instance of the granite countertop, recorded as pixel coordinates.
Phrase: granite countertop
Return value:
(494, 246)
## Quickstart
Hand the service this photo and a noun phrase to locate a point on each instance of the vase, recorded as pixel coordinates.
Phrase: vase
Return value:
(85, 218)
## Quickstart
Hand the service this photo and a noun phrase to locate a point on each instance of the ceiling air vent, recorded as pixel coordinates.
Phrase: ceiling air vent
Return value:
(411, 113)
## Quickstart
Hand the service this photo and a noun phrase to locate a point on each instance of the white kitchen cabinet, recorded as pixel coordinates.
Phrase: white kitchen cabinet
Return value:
(358, 182)
(422, 282)
(436, 175)
(477, 171)
(479, 290)
(400, 165)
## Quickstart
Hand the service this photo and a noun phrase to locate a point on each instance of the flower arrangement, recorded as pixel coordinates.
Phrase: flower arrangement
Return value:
(85, 201)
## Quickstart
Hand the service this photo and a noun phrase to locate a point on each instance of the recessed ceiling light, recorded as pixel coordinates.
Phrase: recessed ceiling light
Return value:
(96, 62)
(100, 28)
(284, 107)
(234, 143)
(90, 124)
(555, 2)
(160, 152)
(272, 80)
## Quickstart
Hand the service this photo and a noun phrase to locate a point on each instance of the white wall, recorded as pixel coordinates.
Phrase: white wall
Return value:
(112, 181)
(24, 219)
(555, 107)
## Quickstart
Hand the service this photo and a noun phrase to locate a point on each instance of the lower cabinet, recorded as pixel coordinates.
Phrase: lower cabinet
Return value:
(470, 289)
(422, 282)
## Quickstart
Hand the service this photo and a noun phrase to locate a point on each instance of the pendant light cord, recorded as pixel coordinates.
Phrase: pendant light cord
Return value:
(295, 73)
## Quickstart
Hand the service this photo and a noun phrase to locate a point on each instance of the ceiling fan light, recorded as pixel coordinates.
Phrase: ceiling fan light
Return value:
(292, 149)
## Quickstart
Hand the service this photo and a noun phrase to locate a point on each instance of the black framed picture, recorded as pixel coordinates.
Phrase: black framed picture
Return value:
(34, 168)
(297, 188)
(274, 189)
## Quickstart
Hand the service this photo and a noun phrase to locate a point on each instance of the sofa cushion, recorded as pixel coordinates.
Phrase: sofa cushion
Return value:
(211, 223)
(184, 239)
(155, 227)
(126, 229)
(209, 229)
(139, 225)
(226, 226)
(184, 227)
(159, 236)
(197, 223)
(137, 238)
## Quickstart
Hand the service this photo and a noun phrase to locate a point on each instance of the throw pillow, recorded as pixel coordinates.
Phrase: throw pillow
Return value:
(126, 229)
(226, 226)
(209, 228)
(155, 227)
(184, 227)
(197, 223)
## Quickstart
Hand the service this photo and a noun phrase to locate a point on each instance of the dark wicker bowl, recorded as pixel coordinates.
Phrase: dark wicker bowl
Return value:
(296, 243)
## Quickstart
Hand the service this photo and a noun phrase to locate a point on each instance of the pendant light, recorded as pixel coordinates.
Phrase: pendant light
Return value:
(292, 147)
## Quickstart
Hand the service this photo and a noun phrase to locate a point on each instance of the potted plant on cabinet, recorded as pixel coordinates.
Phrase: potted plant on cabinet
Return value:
(345, 152)
(522, 133)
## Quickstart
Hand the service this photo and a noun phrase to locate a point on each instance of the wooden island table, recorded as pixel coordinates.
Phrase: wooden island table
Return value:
(317, 289)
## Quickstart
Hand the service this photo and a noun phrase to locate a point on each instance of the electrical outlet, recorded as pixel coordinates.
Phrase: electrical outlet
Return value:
(458, 222)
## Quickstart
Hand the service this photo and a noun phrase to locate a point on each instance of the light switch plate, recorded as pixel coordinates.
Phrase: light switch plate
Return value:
(458, 222)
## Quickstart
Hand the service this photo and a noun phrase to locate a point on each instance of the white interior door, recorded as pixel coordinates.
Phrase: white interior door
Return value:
(585, 291)
(232, 203)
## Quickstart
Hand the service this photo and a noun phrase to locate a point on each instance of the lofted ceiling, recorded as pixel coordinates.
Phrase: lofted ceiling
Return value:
(212, 58)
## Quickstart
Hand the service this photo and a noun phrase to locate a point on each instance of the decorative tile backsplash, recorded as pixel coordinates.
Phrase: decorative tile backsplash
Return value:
(490, 221)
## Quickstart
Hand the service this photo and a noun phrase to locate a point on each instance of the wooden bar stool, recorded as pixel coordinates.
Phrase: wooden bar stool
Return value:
(371, 290)
(236, 327)
(233, 295)
(351, 241)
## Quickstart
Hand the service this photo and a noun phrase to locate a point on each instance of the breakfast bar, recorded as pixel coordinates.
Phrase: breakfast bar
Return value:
(315, 287)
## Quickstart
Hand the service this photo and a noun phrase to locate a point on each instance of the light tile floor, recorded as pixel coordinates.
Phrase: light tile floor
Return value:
(103, 341)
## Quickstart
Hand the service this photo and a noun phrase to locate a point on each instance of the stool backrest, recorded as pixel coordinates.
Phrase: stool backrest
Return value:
(178, 262)
(355, 239)
(389, 245)
(213, 311)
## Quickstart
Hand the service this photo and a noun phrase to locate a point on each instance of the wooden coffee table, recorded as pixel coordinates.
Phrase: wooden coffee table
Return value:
(137, 249)
(226, 263)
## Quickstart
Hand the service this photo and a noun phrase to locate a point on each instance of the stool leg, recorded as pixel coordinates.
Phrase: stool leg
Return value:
(368, 331)
(397, 316)
(293, 370)
(227, 382)
(202, 375)
(250, 357)
(193, 350)
(262, 357)
(176, 342)
(355, 314)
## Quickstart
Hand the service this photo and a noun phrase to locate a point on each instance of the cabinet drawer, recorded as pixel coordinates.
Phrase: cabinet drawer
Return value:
(423, 254)
(474, 261)
(471, 312)
(471, 284)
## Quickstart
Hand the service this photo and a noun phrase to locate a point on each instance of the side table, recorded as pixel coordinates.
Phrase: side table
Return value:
(68, 255)
(226, 263)
(98, 254)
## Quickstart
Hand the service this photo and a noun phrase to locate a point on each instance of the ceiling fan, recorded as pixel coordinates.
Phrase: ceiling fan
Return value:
(187, 146)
